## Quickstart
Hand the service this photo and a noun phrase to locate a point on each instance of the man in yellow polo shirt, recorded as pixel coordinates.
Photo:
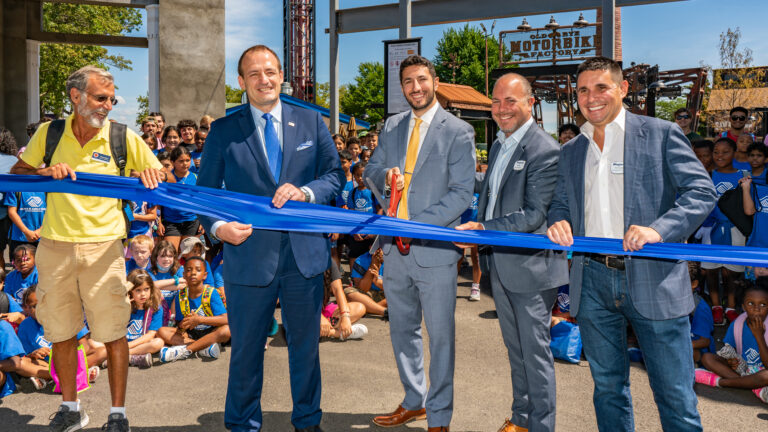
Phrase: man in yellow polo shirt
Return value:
(80, 258)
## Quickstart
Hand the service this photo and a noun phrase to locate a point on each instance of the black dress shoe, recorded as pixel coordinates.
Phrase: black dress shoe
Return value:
(315, 428)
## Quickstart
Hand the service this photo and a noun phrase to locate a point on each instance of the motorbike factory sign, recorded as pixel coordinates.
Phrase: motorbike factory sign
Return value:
(564, 44)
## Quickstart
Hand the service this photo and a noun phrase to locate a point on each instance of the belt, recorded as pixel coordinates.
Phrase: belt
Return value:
(610, 261)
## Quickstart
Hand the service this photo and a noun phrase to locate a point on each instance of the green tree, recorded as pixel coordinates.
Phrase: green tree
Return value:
(665, 108)
(367, 91)
(143, 111)
(323, 94)
(234, 95)
(462, 52)
(57, 61)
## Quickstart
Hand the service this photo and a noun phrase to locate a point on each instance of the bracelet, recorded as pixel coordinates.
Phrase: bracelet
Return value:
(176, 280)
(345, 313)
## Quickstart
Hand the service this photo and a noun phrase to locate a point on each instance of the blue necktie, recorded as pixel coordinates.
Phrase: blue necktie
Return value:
(272, 144)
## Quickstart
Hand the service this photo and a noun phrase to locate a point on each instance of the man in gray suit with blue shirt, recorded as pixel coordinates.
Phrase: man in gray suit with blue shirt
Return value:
(633, 178)
(515, 196)
(434, 151)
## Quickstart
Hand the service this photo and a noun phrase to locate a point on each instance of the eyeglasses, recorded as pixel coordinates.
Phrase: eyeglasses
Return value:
(102, 98)
(683, 116)
(738, 118)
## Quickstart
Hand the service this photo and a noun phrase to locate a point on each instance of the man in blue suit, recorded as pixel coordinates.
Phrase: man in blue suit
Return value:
(283, 152)
(633, 178)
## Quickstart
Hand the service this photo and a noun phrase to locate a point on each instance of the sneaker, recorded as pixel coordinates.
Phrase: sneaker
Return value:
(212, 351)
(717, 315)
(731, 314)
(474, 293)
(358, 331)
(65, 420)
(171, 354)
(761, 393)
(116, 422)
(703, 376)
(93, 373)
(39, 383)
(141, 360)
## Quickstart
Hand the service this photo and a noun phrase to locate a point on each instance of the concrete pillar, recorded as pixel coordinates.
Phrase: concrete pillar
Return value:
(191, 53)
(333, 65)
(153, 30)
(33, 81)
(13, 68)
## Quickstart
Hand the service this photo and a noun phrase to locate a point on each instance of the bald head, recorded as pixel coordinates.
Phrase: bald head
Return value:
(512, 102)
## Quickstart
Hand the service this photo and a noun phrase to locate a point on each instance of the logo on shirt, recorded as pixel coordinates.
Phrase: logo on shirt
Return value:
(752, 356)
(134, 327)
(42, 342)
(361, 203)
(764, 204)
(35, 202)
(722, 187)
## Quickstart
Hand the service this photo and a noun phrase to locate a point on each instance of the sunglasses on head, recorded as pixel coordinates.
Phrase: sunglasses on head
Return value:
(683, 116)
(738, 118)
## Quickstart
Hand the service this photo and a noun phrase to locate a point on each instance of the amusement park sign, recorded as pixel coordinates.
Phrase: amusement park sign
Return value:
(564, 44)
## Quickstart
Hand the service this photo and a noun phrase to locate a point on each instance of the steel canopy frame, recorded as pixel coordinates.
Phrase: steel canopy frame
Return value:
(407, 13)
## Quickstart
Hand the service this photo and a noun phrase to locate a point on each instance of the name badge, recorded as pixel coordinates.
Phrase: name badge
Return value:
(617, 168)
(518, 165)
(100, 157)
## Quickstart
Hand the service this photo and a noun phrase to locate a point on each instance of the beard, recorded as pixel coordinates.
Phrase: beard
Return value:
(428, 98)
(88, 114)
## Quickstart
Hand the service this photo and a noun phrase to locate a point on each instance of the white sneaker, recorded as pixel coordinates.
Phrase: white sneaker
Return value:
(474, 293)
(171, 354)
(358, 331)
(212, 351)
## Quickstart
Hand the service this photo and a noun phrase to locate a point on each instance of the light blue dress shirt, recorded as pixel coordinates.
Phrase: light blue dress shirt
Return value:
(508, 146)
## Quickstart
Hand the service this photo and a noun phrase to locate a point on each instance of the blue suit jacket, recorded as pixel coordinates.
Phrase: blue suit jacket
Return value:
(665, 188)
(234, 156)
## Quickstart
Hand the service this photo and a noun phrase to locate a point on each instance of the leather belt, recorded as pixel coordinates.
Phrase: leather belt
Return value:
(610, 261)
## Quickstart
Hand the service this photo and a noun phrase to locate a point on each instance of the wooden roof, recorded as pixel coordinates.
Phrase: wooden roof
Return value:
(462, 97)
(724, 100)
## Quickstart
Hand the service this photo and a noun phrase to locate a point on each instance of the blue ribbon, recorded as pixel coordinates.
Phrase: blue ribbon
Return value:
(297, 216)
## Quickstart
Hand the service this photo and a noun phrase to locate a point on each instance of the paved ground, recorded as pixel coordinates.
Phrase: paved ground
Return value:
(360, 380)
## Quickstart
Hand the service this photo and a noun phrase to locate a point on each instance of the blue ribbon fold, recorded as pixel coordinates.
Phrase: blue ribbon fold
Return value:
(297, 216)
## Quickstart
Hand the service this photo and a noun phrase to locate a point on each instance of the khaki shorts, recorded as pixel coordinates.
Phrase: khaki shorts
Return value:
(77, 277)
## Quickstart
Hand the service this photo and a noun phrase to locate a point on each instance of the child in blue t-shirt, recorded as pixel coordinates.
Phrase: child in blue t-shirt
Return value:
(146, 319)
(144, 216)
(197, 155)
(758, 153)
(168, 276)
(745, 350)
(725, 177)
(346, 164)
(361, 199)
(178, 224)
(25, 273)
(194, 247)
(202, 318)
(10, 309)
(26, 211)
(367, 273)
(702, 327)
(756, 206)
(10, 358)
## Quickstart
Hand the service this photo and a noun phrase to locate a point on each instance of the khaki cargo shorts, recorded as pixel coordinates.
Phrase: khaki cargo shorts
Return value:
(82, 277)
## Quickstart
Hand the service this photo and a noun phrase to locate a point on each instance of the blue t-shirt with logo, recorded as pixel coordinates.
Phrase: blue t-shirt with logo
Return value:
(362, 200)
(744, 166)
(131, 266)
(760, 179)
(139, 227)
(136, 323)
(15, 283)
(168, 295)
(10, 346)
(33, 338)
(759, 235)
(361, 265)
(750, 352)
(31, 210)
(703, 325)
(217, 307)
(343, 197)
(470, 214)
(178, 216)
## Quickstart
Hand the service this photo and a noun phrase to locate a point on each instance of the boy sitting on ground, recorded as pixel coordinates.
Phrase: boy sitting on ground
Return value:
(203, 327)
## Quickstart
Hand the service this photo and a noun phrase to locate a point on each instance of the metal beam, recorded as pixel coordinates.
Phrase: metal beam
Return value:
(405, 19)
(608, 29)
(121, 3)
(88, 39)
(450, 11)
(333, 56)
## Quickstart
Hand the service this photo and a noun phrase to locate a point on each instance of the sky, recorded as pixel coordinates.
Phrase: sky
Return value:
(673, 35)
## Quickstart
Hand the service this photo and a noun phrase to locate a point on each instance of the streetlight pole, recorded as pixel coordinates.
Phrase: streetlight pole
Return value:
(486, 33)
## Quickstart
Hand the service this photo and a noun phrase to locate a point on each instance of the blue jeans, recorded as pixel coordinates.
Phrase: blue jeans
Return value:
(605, 309)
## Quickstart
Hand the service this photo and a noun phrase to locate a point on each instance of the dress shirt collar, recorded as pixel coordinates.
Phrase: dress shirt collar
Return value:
(619, 122)
(428, 116)
(277, 113)
(516, 136)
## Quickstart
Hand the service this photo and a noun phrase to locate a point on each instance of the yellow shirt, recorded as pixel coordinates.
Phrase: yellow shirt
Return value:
(79, 218)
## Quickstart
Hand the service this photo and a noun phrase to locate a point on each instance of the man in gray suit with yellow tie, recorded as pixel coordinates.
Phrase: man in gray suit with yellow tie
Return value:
(515, 196)
(434, 150)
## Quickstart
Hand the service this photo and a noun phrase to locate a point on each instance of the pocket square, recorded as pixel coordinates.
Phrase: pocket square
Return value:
(305, 145)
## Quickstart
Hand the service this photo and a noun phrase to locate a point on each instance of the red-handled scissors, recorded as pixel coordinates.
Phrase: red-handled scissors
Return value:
(394, 200)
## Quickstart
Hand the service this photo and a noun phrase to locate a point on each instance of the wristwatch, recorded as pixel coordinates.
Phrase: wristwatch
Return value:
(307, 196)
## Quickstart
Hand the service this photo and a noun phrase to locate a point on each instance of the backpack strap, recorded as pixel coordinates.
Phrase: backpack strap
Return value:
(206, 300)
(117, 145)
(52, 138)
(738, 329)
(147, 320)
(184, 301)
(5, 303)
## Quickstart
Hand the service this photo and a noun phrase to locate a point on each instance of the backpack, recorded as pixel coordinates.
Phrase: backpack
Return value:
(738, 329)
(5, 303)
(205, 302)
(117, 146)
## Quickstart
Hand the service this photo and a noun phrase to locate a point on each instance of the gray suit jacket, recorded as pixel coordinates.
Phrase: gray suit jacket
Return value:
(521, 206)
(665, 188)
(442, 183)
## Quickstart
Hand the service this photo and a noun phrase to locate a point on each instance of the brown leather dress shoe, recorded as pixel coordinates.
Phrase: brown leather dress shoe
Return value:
(508, 426)
(439, 429)
(399, 416)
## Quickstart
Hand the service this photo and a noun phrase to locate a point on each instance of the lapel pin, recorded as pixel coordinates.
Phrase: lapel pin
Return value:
(291, 124)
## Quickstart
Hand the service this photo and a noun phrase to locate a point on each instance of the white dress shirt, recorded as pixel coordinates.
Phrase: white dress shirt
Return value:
(604, 181)
(260, 123)
(508, 146)
(426, 120)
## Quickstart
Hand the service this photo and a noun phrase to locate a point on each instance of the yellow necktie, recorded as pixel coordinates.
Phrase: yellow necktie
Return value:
(410, 164)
